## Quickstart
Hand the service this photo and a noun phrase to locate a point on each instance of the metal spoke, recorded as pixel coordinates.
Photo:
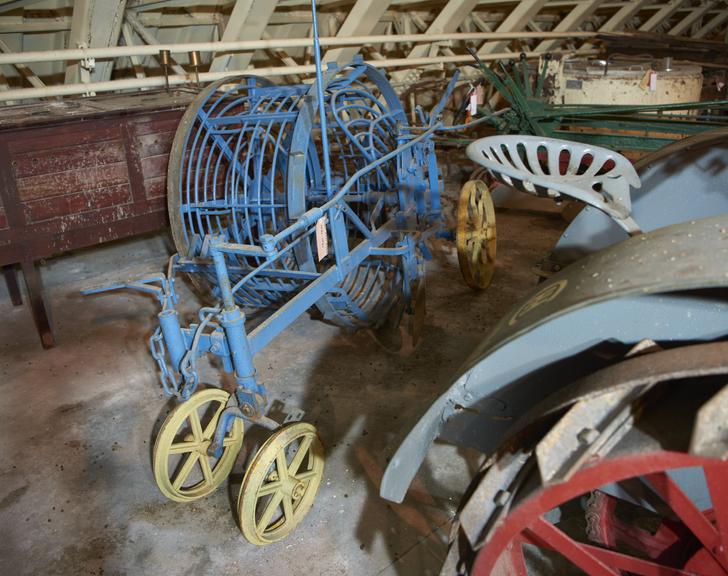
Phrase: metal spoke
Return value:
(288, 508)
(185, 470)
(212, 424)
(298, 458)
(477, 246)
(578, 554)
(269, 488)
(270, 509)
(480, 213)
(633, 565)
(196, 425)
(717, 480)
(281, 464)
(688, 513)
(206, 469)
(183, 447)
(304, 476)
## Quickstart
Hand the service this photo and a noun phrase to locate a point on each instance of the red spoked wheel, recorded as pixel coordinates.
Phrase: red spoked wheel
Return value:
(621, 483)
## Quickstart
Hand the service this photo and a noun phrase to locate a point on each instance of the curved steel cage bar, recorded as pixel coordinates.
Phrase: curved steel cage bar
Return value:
(249, 164)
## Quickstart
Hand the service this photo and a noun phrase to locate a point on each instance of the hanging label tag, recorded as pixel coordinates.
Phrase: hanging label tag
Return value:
(653, 81)
(480, 94)
(473, 103)
(322, 239)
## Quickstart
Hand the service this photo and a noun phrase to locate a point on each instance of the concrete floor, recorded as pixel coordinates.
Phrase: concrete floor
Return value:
(77, 424)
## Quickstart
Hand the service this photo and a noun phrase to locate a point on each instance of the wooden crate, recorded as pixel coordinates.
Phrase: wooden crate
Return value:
(77, 173)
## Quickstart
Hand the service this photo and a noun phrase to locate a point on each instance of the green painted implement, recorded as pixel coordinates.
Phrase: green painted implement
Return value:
(640, 128)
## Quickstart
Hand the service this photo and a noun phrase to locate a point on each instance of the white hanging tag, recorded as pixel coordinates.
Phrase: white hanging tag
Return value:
(473, 103)
(322, 239)
(653, 81)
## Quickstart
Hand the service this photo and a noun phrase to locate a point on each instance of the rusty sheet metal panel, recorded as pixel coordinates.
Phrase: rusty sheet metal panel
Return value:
(79, 173)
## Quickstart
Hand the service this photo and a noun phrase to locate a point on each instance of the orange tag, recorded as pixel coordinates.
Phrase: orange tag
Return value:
(322, 238)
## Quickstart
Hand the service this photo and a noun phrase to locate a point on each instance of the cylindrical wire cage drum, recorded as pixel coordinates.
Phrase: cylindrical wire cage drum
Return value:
(247, 161)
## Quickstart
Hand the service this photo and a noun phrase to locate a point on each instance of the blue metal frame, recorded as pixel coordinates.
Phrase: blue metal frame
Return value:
(247, 193)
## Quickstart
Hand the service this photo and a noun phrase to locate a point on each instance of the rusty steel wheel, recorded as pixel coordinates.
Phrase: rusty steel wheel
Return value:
(627, 481)
(476, 235)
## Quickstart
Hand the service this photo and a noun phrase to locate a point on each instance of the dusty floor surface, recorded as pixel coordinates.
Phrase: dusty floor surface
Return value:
(77, 422)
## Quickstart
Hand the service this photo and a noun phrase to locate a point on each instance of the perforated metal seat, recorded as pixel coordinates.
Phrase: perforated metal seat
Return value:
(551, 167)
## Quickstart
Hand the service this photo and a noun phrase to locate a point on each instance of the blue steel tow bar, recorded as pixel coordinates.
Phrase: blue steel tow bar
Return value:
(221, 330)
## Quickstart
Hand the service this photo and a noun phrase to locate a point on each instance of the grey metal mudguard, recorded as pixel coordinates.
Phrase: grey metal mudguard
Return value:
(665, 285)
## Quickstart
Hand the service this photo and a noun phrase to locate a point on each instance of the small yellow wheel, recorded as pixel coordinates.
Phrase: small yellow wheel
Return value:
(183, 470)
(280, 484)
(476, 234)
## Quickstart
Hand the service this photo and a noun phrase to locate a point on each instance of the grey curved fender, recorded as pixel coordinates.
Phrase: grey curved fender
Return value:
(655, 286)
(686, 180)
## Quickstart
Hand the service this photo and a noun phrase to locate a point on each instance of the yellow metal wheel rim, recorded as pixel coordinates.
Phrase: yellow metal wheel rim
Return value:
(476, 235)
(183, 470)
(280, 484)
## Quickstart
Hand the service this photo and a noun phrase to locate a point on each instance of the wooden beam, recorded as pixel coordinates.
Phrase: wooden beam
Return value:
(711, 25)
(149, 38)
(572, 21)
(7, 5)
(22, 69)
(516, 20)
(661, 15)
(362, 19)
(136, 62)
(248, 21)
(623, 15)
(696, 14)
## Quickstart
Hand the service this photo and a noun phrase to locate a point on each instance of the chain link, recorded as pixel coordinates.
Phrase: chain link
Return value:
(166, 377)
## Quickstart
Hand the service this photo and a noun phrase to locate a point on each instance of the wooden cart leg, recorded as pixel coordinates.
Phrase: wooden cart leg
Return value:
(37, 305)
(11, 280)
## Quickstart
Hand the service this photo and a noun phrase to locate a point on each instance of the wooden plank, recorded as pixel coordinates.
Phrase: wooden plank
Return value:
(155, 143)
(156, 187)
(79, 203)
(94, 178)
(51, 161)
(58, 138)
(155, 166)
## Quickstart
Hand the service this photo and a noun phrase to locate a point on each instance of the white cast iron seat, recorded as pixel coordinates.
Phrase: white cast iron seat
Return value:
(550, 167)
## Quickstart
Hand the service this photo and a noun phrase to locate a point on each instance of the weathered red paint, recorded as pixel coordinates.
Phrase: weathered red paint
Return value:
(79, 173)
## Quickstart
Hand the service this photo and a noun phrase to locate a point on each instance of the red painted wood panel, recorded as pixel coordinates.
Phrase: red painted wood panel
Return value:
(93, 175)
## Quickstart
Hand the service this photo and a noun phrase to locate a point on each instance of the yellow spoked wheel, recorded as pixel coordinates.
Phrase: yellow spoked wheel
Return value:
(183, 470)
(280, 484)
(476, 235)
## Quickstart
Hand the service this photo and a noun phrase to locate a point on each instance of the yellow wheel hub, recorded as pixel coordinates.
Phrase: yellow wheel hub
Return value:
(280, 484)
(476, 234)
(183, 470)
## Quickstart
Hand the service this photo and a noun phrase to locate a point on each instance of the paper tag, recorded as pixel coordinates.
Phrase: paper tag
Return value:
(322, 239)
(653, 81)
(480, 93)
(473, 103)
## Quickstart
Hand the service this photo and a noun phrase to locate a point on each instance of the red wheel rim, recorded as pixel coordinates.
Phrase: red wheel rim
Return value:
(503, 552)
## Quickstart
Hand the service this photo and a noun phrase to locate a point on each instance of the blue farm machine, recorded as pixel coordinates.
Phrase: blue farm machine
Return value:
(282, 198)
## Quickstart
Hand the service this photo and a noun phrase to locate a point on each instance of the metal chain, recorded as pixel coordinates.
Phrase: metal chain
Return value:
(166, 377)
